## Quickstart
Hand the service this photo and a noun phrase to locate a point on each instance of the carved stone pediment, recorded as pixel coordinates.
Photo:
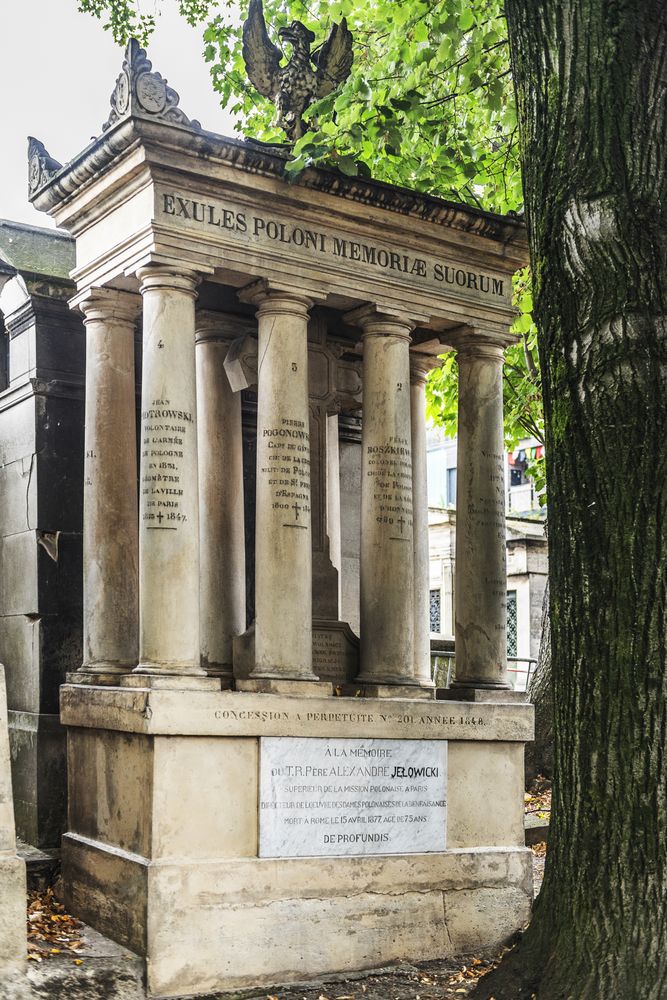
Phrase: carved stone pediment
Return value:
(140, 92)
(41, 165)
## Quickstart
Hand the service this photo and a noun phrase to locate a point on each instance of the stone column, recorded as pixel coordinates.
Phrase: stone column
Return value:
(283, 566)
(481, 574)
(110, 510)
(420, 365)
(386, 554)
(221, 529)
(169, 516)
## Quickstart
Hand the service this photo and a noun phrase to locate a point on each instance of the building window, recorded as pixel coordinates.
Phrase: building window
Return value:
(434, 605)
(451, 487)
(511, 623)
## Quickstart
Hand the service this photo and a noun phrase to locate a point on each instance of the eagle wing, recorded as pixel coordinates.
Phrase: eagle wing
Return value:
(334, 59)
(261, 56)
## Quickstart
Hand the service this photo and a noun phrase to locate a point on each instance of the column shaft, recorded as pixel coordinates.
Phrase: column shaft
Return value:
(110, 516)
(422, 614)
(221, 528)
(283, 546)
(481, 572)
(387, 555)
(169, 517)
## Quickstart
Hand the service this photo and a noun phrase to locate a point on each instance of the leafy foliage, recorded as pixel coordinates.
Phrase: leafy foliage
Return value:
(429, 106)
(429, 103)
(522, 385)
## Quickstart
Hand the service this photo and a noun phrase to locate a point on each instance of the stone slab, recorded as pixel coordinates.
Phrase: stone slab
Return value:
(346, 797)
(479, 694)
(96, 678)
(273, 914)
(171, 682)
(335, 651)
(235, 713)
(287, 686)
(389, 691)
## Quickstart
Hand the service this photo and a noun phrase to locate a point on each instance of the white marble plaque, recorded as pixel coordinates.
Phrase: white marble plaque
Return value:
(323, 797)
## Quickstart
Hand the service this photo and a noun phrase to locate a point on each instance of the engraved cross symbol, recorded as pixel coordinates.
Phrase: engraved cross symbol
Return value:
(296, 509)
(401, 521)
(160, 517)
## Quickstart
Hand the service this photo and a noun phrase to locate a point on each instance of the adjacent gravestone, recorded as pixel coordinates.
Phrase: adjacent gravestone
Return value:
(12, 869)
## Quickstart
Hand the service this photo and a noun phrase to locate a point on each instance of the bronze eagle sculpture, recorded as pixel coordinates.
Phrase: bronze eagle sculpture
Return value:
(305, 78)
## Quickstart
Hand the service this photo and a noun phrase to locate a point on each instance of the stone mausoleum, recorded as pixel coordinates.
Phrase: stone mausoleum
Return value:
(256, 795)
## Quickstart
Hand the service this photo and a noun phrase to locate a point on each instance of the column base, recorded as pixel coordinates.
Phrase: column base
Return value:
(221, 670)
(287, 685)
(378, 690)
(97, 678)
(172, 682)
(480, 694)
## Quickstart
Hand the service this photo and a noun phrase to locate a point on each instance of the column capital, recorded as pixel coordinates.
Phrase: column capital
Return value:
(379, 321)
(220, 326)
(278, 297)
(108, 304)
(482, 344)
(168, 277)
(421, 365)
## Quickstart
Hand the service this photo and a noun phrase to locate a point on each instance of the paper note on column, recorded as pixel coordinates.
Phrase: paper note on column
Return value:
(326, 797)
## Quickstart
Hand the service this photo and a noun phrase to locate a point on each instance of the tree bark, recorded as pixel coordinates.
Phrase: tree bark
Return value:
(540, 753)
(591, 81)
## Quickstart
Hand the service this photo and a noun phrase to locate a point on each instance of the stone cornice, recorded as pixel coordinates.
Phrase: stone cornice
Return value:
(256, 158)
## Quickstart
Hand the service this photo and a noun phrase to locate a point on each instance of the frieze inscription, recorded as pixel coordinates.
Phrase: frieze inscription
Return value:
(253, 229)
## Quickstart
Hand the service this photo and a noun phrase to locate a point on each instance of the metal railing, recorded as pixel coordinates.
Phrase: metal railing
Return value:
(443, 662)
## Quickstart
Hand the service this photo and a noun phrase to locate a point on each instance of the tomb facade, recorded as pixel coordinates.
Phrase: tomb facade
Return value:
(254, 795)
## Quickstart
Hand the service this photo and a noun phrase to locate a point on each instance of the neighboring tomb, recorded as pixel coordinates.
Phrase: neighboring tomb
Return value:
(13, 942)
(216, 825)
(41, 462)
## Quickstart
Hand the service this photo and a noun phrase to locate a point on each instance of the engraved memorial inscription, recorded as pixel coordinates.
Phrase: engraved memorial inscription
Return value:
(389, 466)
(331, 797)
(164, 430)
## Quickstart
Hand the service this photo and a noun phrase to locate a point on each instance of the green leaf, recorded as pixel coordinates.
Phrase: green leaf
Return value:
(347, 165)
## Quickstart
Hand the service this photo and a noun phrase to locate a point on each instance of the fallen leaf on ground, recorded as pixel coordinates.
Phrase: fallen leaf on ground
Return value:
(51, 929)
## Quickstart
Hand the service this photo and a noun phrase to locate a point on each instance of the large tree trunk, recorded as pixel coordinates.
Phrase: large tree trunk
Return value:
(591, 79)
(540, 753)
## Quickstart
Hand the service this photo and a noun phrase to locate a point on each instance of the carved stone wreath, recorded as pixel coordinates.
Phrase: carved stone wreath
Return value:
(141, 92)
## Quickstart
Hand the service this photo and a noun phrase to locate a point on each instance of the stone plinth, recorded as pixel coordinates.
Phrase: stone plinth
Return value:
(13, 944)
(169, 866)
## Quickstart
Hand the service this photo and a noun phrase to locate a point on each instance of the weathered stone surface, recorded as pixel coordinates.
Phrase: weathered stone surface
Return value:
(486, 783)
(12, 869)
(169, 494)
(481, 575)
(335, 651)
(236, 713)
(110, 536)
(222, 607)
(283, 528)
(391, 908)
